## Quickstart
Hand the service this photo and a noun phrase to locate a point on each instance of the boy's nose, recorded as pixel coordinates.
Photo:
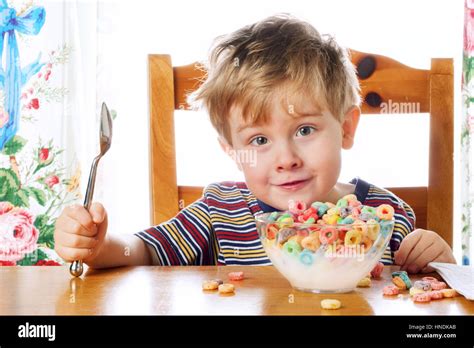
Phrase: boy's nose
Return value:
(287, 160)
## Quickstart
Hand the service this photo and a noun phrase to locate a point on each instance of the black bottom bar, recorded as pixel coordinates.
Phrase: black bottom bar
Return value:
(161, 331)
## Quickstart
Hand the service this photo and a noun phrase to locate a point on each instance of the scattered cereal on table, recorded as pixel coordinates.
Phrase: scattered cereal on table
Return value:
(391, 290)
(236, 275)
(438, 285)
(422, 291)
(401, 279)
(377, 271)
(424, 297)
(330, 304)
(226, 288)
(448, 292)
(429, 279)
(210, 285)
(364, 283)
(435, 294)
(399, 283)
(414, 290)
(423, 285)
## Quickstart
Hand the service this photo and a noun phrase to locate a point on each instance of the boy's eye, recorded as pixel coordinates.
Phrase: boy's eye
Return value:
(305, 130)
(259, 141)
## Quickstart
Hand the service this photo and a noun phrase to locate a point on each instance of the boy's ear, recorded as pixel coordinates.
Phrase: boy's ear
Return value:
(349, 127)
(229, 150)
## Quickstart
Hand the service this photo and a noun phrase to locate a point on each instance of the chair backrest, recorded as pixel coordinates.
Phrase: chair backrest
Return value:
(384, 82)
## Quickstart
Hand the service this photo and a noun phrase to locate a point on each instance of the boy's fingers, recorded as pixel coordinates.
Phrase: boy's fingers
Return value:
(72, 226)
(427, 255)
(71, 254)
(408, 243)
(97, 212)
(444, 256)
(102, 228)
(427, 269)
(81, 215)
(76, 241)
(419, 249)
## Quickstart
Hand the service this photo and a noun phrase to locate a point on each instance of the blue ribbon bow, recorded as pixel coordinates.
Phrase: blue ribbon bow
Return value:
(13, 77)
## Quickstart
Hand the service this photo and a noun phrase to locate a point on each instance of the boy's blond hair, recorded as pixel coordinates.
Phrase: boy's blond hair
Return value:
(246, 66)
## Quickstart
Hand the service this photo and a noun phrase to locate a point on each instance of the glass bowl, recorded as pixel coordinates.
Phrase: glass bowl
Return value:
(323, 258)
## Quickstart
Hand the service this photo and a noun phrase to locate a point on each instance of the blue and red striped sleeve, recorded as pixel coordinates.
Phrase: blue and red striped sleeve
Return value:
(186, 239)
(404, 218)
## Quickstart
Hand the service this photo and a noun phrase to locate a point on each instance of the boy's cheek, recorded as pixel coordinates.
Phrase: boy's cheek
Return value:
(255, 166)
(245, 159)
(254, 176)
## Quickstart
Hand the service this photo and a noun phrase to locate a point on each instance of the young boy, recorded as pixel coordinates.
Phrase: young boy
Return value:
(278, 90)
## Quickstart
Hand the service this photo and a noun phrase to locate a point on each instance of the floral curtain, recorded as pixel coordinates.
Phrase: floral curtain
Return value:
(467, 191)
(47, 106)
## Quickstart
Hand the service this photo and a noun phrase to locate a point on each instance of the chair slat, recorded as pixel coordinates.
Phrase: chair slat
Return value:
(441, 164)
(164, 188)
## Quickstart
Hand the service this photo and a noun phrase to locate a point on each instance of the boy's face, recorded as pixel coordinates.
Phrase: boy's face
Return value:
(295, 155)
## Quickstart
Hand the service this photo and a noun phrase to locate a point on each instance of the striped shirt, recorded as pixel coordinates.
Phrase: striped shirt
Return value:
(220, 229)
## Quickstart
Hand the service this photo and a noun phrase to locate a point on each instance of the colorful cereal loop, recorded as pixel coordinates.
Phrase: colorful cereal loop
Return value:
(360, 226)
(449, 293)
(284, 234)
(377, 270)
(422, 284)
(364, 283)
(272, 231)
(226, 288)
(330, 304)
(373, 229)
(385, 212)
(210, 285)
(429, 279)
(391, 290)
(311, 242)
(292, 248)
(353, 237)
(399, 283)
(414, 291)
(350, 197)
(296, 207)
(438, 285)
(236, 275)
(436, 294)
(365, 244)
(306, 257)
(328, 235)
(342, 203)
(330, 219)
(423, 297)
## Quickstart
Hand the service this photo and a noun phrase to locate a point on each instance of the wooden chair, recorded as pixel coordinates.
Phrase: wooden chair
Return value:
(383, 80)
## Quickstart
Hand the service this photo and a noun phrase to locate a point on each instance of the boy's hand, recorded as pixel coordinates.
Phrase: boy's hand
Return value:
(79, 234)
(421, 247)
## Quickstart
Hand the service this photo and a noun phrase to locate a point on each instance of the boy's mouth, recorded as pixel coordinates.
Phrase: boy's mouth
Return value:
(294, 185)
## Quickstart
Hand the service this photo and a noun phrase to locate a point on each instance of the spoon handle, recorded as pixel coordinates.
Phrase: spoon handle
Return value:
(77, 268)
(91, 183)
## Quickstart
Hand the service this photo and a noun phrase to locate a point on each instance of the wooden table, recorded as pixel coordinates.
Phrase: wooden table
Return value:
(177, 291)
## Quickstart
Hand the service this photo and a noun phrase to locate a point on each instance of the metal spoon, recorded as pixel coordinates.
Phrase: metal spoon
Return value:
(76, 268)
